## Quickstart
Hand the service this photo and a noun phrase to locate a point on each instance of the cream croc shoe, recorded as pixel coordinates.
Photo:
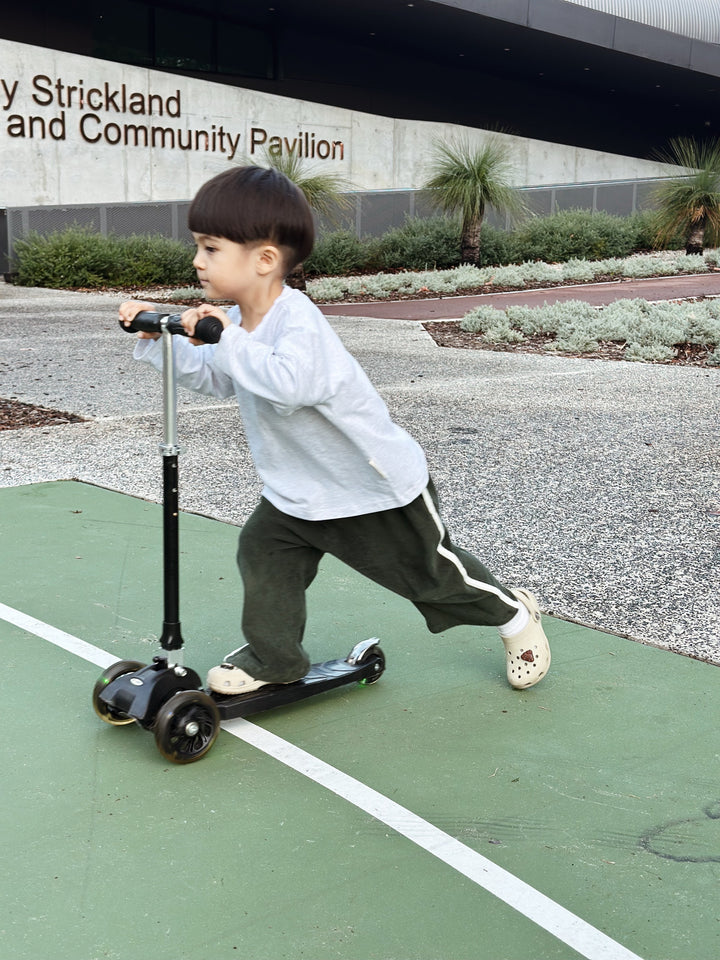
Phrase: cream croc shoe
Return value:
(528, 652)
(230, 680)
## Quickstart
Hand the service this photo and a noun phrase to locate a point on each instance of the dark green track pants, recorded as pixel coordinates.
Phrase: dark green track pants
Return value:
(406, 550)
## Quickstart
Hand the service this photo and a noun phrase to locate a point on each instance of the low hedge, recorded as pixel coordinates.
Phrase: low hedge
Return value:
(81, 257)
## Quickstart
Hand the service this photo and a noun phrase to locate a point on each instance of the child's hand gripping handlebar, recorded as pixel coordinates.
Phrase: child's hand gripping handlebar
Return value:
(208, 329)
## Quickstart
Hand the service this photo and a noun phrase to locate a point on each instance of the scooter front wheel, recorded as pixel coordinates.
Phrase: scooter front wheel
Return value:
(186, 726)
(104, 710)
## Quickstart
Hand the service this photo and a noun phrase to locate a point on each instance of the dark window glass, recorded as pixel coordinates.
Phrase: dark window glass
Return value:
(130, 31)
(183, 41)
(244, 51)
(121, 32)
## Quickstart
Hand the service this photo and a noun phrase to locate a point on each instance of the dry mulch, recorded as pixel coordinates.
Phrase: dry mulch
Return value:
(447, 333)
(14, 415)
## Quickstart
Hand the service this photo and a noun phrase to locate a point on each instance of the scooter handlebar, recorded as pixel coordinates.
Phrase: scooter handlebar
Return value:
(208, 329)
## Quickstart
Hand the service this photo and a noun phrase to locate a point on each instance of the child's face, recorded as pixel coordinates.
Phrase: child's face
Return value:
(226, 270)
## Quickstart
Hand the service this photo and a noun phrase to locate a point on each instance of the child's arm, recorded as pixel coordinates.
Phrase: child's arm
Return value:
(290, 373)
(194, 366)
(298, 369)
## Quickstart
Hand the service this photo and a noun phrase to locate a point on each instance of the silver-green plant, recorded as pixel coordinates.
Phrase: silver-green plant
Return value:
(648, 332)
(579, 271)
(468, 277)
(187, 293)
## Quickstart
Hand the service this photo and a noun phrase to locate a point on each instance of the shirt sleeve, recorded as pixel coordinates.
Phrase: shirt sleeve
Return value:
(297, 370)
(194, 365)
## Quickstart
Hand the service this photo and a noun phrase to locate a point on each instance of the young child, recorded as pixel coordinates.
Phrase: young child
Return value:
(339, 475)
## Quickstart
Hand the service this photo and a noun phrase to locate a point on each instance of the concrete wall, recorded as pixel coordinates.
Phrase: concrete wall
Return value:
(78, 130)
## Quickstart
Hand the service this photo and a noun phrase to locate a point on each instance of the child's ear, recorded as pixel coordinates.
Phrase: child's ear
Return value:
(268, 259)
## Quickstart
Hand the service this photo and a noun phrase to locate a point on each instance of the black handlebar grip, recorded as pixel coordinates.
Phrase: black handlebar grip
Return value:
(207, 329)
(145, 321)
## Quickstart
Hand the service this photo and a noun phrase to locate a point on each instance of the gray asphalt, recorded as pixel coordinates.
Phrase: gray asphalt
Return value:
(594, 484)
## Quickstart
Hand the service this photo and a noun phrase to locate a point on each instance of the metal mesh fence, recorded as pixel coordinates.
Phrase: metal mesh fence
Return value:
(372, 213)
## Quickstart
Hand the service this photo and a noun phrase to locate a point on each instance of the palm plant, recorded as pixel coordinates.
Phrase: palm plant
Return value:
(690, 205)
(466, 179)
(326, 193)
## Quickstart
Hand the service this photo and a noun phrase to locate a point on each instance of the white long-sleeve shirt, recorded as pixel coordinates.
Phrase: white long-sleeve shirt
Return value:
(321, 437)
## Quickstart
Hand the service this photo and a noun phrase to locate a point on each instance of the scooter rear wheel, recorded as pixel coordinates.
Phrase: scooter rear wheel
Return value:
(377, 654)
(103, 710)
(186, 726)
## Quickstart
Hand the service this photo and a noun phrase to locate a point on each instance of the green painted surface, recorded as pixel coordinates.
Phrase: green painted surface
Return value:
(599, 787)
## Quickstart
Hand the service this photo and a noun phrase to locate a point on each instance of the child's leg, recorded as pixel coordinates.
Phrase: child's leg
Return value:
(276, 567)
(405, 551)
(410, 552)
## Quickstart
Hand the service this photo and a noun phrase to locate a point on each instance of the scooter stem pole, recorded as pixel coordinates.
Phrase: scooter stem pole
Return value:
(171, 638)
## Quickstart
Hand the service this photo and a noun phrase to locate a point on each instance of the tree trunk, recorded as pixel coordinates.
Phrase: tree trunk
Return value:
(470, 243)
(296, 278)
(695, 242)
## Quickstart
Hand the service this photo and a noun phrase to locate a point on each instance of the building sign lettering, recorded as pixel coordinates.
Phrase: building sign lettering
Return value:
(119, 116)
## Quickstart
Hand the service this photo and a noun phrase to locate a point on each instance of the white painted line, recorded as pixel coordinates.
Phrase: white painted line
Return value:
(588, 941)
(546, 913)
(61, 639)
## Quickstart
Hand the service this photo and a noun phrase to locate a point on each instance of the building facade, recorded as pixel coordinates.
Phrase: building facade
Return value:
(140, 101)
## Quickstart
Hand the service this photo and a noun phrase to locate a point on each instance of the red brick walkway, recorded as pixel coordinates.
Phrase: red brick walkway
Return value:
(454, 308)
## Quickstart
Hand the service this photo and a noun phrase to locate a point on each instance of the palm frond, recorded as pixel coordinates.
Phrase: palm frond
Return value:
(691, 154)
(693, 199)
(466, 179)
(327, 193)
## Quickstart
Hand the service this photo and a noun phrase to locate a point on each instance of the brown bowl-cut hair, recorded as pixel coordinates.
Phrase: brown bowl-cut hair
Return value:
(254, 205)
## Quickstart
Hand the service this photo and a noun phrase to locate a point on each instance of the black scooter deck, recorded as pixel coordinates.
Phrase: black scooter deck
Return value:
(319, 678)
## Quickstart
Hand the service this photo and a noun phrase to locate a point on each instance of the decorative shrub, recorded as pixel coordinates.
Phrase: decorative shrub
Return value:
(337, 253)
(146, 261)
(420, 244)
(76, 257)
(81, 257)
(576, 234)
